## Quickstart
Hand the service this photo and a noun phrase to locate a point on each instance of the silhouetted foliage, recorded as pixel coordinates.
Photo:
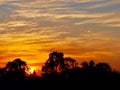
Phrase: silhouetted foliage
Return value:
(2, 72)
(54, 63)
(85, 65)
(70, 63)
(16, 69)
(65, 70)
(103, 66)
(99, 66)
(57, 63)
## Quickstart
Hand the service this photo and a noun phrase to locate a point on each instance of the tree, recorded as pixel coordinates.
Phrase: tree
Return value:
(57, 64)
(2, 71)
(16, 68)
(85, 65)
(54, 63)
(70, 63)
(103, 67)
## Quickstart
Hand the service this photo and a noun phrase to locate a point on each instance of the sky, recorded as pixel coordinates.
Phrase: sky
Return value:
(82, 29)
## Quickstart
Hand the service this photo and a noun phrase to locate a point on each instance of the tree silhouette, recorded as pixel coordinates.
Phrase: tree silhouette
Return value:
(99, 66)
(103, 66)
(54, 63)
(91, 64)
(2, 72)
(17, 68)
(57, 67)
(85, 65)
(70, 63)
(57, 63)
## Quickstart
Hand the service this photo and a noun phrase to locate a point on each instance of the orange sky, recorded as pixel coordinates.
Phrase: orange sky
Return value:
(81, 29)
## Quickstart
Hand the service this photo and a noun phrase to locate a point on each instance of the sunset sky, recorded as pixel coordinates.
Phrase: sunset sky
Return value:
(81, 29)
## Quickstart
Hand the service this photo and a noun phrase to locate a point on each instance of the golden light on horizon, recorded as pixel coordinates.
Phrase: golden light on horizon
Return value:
(31, 70)
(82, 30)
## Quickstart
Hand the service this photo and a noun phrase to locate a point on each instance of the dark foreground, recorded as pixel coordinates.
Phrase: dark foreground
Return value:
(61, 84)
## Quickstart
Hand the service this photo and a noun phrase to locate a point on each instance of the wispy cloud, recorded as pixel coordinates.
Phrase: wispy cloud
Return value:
(83, 29)
(106, 4)
(37, 13)
(15, 24)
(112, 20)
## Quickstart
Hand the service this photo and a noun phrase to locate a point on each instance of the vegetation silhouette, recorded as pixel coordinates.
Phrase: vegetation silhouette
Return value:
(58, 69)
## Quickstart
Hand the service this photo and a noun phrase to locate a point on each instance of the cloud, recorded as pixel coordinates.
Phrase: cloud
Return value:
(31, 29)
(112, 20)
(37, 13)
(105, 4)
(16, 24)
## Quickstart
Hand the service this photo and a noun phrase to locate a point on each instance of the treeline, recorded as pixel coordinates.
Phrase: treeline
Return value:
(57, 68)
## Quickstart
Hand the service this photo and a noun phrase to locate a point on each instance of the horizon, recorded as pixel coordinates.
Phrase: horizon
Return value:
(37, 67)
(82, 29)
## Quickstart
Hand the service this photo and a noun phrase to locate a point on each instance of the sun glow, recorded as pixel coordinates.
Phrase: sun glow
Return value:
(31, 70)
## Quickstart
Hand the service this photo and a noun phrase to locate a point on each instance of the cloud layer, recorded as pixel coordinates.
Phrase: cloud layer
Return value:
(82, 29)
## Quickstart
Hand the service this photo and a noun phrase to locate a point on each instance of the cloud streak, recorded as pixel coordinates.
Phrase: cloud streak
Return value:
(106, 4)
(82, 29)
